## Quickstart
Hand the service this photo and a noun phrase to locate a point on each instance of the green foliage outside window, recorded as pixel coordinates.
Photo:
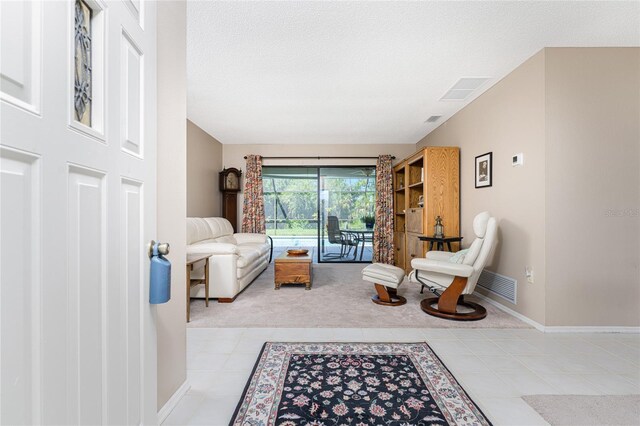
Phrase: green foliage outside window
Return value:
(291, 204)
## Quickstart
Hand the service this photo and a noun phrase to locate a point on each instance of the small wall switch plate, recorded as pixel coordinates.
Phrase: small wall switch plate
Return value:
(517, 160)
(528, 272)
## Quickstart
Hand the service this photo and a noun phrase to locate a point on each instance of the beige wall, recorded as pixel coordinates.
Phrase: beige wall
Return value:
(506, 120)
(204, 157)
(172, 200)
(593, 186)
(571, 212)
(233, 156)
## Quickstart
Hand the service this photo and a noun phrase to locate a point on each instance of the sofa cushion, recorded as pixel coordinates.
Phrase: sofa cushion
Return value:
(227, 239)
(214, 248)
(247, 255)
(197, 230)
(219, 226)
(265, 248)
(248, 260)
(250, 238)
(262, 248)
(207, 241)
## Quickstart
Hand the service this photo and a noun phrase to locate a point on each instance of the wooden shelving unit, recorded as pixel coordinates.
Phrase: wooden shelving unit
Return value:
(434, 174)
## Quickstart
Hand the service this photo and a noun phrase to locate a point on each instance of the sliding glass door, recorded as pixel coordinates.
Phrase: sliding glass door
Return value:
(347, 204)
(291, 207)
(327, 209)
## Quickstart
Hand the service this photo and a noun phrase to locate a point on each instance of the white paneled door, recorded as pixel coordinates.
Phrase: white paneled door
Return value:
(78, 182)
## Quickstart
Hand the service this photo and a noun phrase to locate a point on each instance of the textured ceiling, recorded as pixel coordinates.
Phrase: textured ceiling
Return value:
(367, 72)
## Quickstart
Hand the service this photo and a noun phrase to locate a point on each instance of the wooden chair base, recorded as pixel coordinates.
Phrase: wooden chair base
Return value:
(478, 313)
(387, 296)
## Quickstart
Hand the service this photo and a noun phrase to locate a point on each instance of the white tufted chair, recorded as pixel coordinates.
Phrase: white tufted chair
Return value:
(439, 272)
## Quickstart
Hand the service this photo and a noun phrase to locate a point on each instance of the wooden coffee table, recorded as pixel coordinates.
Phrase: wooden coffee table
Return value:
(293, 270)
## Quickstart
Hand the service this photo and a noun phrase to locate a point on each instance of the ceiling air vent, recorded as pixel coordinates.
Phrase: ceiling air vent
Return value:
(464, 88)
(433, 119)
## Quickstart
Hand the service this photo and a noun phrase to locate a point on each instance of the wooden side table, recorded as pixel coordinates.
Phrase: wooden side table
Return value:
(293, 270)
(440, 242)
(192, 259)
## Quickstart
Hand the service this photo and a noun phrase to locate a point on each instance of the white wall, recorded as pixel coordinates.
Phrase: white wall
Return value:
(172, 200)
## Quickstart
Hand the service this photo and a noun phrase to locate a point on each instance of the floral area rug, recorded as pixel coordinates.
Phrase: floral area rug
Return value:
(357, 384)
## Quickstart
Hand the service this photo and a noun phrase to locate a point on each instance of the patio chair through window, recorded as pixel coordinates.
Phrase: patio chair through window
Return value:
(346, 239)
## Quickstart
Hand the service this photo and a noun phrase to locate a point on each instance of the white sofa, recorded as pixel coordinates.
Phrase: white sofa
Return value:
(236, 260)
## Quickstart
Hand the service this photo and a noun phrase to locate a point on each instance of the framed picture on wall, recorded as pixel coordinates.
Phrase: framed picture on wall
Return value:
(484, 170)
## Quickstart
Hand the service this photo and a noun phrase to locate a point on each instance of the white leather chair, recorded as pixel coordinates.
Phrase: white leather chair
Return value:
(439, 272)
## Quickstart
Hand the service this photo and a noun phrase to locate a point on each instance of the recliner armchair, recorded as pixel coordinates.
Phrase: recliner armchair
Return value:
(439, 271)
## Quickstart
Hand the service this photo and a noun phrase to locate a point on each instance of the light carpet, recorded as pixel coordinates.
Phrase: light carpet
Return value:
(338, 298)
(586, 410)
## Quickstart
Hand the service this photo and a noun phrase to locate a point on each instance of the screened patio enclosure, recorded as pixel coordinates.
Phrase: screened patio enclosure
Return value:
(329, 209)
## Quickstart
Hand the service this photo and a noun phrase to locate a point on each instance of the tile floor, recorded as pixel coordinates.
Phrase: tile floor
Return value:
(495, 366)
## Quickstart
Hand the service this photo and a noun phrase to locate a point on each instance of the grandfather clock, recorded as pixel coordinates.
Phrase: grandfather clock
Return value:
(230, 186)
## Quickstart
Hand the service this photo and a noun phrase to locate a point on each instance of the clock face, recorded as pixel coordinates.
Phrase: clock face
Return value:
(232, 181)
(229, 179)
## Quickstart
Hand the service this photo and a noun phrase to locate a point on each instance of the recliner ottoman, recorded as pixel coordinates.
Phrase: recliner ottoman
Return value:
(387, 279)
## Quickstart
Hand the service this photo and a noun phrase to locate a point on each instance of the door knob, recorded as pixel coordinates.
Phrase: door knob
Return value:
(163, 248)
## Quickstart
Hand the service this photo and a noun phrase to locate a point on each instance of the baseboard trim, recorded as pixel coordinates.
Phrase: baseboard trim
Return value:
(172, 402)
(591, 329)
(511, 312)
(559, 329)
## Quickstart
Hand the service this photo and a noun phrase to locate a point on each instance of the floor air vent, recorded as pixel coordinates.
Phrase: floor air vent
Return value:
(505, 287)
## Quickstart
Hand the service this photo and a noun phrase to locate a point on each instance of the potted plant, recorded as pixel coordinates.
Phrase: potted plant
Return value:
(369, 221)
